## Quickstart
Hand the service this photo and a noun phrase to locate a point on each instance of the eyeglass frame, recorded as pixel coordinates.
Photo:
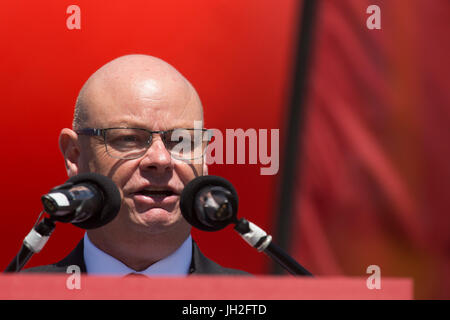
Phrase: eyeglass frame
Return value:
(97, 132)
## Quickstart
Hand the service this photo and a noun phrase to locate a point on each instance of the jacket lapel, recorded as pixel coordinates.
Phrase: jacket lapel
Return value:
(75, 257)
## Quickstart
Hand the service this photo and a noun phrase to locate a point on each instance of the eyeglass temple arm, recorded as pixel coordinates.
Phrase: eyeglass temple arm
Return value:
(90, 132)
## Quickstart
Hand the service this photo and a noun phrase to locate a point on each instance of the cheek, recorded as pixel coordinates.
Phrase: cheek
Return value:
(93, 158)
(186, 172)
(120, 171)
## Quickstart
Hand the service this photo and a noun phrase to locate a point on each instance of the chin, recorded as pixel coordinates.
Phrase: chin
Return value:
(158, 219)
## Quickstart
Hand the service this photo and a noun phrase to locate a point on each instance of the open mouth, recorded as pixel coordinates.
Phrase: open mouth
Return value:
(155, 193)
(152, 196)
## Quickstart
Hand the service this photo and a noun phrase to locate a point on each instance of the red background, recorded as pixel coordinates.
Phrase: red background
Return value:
(372, 185)
(236, 56)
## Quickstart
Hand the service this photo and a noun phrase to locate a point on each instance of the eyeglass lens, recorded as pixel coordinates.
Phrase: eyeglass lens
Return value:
(125, 143)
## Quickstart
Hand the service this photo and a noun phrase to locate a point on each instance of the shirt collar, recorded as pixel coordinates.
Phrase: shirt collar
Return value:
(100, 263)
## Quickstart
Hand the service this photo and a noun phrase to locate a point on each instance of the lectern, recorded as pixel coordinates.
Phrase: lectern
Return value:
(71, 287)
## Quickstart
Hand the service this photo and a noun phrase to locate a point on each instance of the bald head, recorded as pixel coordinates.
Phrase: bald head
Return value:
(134, 84)
(137, 92)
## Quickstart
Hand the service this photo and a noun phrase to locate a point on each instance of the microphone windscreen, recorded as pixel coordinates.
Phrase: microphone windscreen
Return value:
(188, 198)
(111, 199)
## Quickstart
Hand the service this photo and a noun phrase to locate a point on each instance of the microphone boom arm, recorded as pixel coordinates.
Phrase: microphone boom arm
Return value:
(259, 239)
(33, 243)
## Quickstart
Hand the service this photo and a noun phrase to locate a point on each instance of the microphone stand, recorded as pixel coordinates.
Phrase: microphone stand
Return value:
(33, 243)
(259, 239)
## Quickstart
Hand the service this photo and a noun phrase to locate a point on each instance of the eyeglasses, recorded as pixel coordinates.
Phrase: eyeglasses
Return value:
(133, 143)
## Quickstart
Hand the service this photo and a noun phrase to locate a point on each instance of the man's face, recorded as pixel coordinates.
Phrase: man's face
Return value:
(151, 185)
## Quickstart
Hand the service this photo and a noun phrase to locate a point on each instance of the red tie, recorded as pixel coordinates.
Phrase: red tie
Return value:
(134, 274)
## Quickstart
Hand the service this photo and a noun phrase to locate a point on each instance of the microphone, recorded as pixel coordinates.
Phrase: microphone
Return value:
(88, 201)
(210, 203)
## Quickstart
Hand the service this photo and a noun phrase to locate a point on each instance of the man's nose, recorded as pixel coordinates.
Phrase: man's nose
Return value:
(157, 158)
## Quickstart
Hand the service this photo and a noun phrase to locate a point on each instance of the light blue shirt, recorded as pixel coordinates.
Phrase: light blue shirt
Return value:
(100, 263)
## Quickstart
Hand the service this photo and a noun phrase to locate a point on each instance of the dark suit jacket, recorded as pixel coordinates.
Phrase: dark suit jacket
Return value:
(199, 265)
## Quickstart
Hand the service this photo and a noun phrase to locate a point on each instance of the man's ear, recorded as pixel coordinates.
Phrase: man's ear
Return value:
(69, 146)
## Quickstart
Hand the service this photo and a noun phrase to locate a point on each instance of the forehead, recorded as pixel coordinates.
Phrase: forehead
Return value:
(155, 104)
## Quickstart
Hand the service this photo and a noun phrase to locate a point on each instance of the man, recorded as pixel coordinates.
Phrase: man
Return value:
(127, 103)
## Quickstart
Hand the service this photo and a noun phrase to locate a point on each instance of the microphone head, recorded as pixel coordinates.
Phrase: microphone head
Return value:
(111, 199)
(193, 190)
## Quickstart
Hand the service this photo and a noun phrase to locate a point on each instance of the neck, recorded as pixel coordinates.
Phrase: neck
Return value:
(137, 250)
